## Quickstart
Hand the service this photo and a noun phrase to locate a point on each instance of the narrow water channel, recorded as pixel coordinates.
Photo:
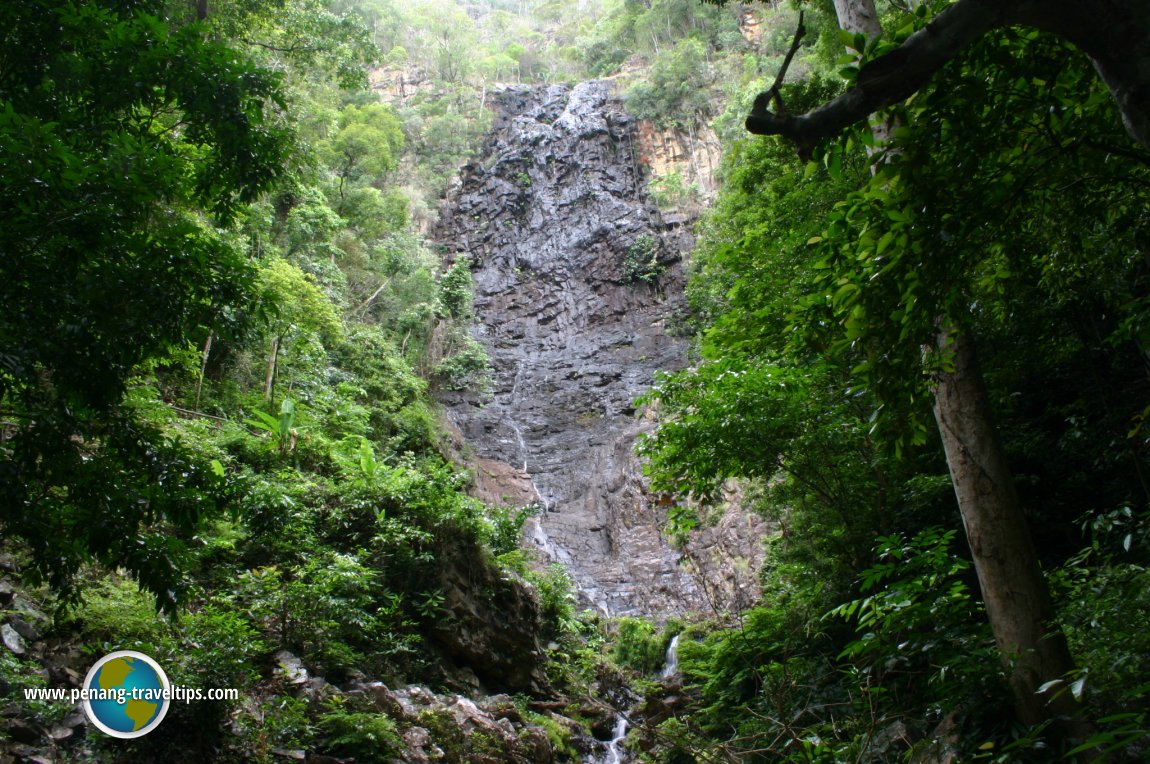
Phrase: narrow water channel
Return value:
(614, 751)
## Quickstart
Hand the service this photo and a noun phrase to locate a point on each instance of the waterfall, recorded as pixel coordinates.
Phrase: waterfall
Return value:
(511, 419)
(614, 752)
(523, 453)
(546, 215)
(672, 666)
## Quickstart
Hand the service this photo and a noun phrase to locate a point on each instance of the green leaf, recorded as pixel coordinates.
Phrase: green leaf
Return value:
(835, 164)
(266, 422)
(844, 292)
(884, 242)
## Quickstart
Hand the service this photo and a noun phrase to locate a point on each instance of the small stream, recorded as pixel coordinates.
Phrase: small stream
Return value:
(615, 752)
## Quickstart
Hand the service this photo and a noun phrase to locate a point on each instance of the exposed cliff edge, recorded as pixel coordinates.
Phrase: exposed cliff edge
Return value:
(577, 277)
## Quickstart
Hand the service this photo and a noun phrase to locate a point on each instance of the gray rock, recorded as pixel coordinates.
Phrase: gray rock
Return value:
(23, 628)
(417, 740)
(323, 758)
(493, 628)
(34, 757)
(76, 719)
(383, 699)
(419, 695)
(22, 731)
(30, 611)
(318, 688)
(290, 668)
(12, 639)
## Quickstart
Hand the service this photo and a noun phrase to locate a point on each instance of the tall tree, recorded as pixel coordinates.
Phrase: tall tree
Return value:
(1014, 591)
(916, 257)
(127, 147)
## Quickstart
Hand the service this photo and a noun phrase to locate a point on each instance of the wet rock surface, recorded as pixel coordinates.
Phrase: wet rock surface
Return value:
(725, 552)
(555, 222)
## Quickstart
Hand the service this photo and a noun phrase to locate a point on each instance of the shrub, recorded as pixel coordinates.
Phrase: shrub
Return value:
(114, 614)
(640, 263)
(556, 592)
(638, 646)
(504, 525)
(466, 364)
(366, 736)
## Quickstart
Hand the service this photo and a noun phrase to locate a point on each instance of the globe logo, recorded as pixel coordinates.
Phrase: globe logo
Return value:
(126, 694)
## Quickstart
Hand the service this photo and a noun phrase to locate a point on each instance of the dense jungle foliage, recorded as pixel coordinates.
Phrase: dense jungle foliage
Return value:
(220, 336)
(1011, 205)
(221, 331)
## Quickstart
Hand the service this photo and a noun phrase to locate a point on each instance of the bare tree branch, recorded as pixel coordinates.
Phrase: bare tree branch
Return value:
(886, 80)
(775, 93)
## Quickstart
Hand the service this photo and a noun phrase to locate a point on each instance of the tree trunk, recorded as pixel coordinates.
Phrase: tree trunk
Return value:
(203, 368)
(270, 378)
(858, 16)
(1013, 588)
(1014, 591)
(861, 16)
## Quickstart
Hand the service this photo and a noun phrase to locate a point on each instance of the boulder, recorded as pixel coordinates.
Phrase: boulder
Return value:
(23, 628)
(23, 731)
(12, 639)
(492, 624)
(290, 668)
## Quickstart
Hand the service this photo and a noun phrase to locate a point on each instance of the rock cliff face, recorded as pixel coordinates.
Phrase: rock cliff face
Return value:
(576, 278)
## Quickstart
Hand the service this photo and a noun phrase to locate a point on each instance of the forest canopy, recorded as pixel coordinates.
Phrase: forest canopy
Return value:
(128, 147)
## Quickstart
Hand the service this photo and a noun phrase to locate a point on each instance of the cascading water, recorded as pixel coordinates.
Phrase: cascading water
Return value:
(515, 425)
(537, 535)
(615, 751)
(671, 668)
